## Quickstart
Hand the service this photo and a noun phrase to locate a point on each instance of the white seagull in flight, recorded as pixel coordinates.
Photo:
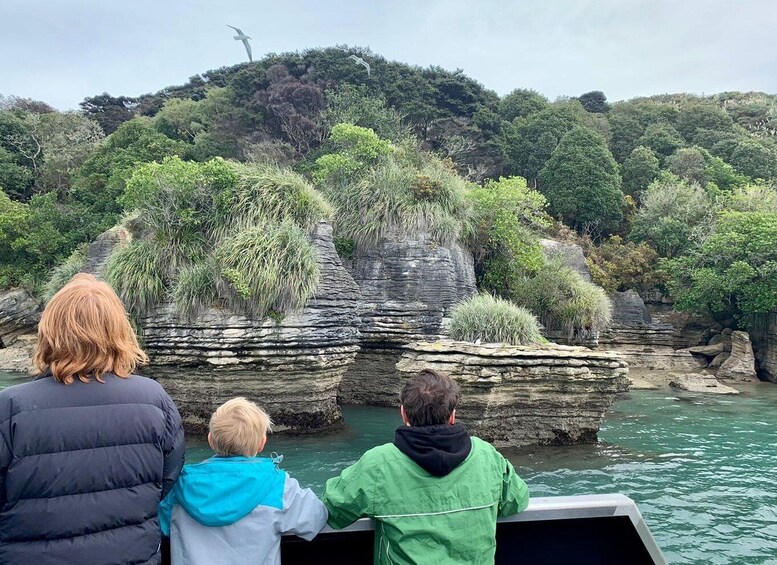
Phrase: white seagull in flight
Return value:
(362, 62)
(244, 38)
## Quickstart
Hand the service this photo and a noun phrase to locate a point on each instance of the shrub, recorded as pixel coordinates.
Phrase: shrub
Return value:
(387, 199)
(675, 216)
(62, 274)
(734, 272)
(564, 301)
(506, 215)
(219, 231)
(491, 319)
(619, 266)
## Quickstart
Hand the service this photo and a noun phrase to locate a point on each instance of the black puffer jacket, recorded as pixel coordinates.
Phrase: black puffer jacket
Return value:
(83, 468)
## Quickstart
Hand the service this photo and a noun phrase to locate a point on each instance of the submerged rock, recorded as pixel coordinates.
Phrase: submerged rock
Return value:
(697, 382)
(291, 368)
(514, 396)
(740, 364)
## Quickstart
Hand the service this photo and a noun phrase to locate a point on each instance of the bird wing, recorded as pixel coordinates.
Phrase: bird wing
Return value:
(367, 66)
(248, 50)
(237, 29)
(354, 57)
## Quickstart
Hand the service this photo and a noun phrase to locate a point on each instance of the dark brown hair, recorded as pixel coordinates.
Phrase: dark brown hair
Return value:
(429, 398)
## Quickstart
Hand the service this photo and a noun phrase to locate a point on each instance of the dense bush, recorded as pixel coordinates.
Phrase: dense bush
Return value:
(504, 244)
(734, 272)
(619, 266)
(218, 231)
(564, 301)
(490, 319)
(675, 216)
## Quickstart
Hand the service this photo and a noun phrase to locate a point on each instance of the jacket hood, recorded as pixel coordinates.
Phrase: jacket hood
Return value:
(438, 450)
(222, 490)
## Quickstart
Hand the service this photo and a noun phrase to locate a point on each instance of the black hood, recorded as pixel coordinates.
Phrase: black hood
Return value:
(438, 450)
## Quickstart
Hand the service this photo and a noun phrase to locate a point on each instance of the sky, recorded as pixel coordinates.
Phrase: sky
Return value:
(61, 51)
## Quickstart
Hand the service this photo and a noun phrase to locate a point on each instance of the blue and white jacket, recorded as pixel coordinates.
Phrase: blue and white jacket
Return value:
(234, 510)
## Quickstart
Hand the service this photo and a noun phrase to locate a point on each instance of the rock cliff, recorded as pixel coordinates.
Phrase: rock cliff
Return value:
(644, 341)
(19, 316)
(514, 396)
(292, 368)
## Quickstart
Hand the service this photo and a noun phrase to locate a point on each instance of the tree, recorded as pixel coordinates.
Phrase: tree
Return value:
(536, 139)
(734, 273)
(354, 105)
(661, 138)
(639, 170)
(703, 115)
(755, 159)
(582, 184)
(108, 111)
(675, 216)
(521, 103)
(689, 163)
(594, 102)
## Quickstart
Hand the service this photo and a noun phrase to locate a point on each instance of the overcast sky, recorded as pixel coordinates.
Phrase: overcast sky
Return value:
(60, 51)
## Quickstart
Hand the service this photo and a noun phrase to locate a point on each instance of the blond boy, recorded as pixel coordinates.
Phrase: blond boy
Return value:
(234, 507)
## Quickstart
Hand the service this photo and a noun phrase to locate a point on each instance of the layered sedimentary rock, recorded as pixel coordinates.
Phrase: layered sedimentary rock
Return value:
(102, 247)
(765, 345)
(292, 368)
(644, 341)
(514, 396)
(698, 382)
(740, 364)
(408, 286)
(19, 315)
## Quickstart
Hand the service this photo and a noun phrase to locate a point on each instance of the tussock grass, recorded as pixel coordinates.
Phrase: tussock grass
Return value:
(219, 231)
(397, 196)
(563, 300)
(270, 267)
(62, 274)
(136, 272)
(490, 319)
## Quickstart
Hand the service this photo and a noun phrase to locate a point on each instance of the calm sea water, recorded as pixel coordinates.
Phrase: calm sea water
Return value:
(703, 469)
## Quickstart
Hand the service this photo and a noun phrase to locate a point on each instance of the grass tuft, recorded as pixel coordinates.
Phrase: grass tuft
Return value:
(62, 274)
(490, 319)
(136, 272)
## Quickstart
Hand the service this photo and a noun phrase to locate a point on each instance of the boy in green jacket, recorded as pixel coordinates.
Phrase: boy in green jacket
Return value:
(435, 493)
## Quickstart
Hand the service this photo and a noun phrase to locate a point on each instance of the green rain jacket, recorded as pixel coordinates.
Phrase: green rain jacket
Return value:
(425, 519)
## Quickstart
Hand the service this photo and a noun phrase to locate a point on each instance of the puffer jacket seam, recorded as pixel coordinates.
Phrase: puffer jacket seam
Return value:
(89, 448)
(74, 536)
(162, 410)
(87, 492)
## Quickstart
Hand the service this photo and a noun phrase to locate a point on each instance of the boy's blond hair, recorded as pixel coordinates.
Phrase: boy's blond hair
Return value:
(238, 427)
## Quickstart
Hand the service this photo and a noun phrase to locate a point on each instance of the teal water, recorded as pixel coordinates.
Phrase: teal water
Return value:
(702, 469)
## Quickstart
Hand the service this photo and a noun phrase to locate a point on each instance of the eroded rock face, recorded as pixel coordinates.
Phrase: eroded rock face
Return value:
(765, 342)
(740, 364)
(408, 287)
(102, 247)
(514, 396)
(292, 368)
(644, 341)
(569, 253)
(19, 315)
(697, 382)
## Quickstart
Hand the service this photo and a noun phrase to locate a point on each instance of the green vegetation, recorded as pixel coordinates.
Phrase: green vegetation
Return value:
(582, 184)
(408, 151)
(734, 272)
(563, 301)
(218, 231)
(494, 320)
(64, 272)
